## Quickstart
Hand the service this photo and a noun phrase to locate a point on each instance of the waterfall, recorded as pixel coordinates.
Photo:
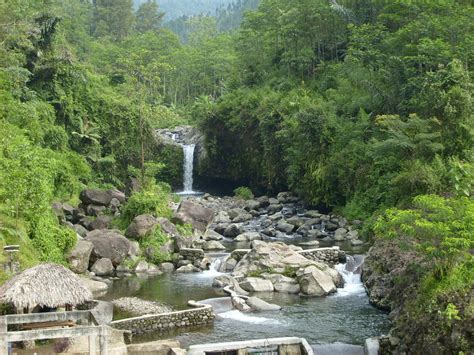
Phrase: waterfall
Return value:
(188, 151)
(350, 272)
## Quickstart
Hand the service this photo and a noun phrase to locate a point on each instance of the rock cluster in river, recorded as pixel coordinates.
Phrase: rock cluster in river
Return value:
(279, 218)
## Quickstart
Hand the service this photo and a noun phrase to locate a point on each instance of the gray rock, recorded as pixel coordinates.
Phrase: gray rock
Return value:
(296, 221)
(353, 234)
(230, 264)
(248, 237)
(134, 248)
(57, 208)
(95, 210)
(235, 212)
(273, 208)
(195, 214)
(80, 255)
(312, 214)
(252, 205)
(95, 197)
(187, 269)
(103, 267)
(240, 304)
(117, 194)
(340, 234)
(232, 231)
(108, 244)
(211, 235)
(263, 201)
(314, 282)
(255, 284)
(285, 284)
(98, 288)
(101, 222)
(141, 226)
(141, 267)
(356, 242)
(244, 217)
(80, 230)
(284, 227)
(222, 217)
(167, 267)
(213, 245)
(258, 304)
(167, 227)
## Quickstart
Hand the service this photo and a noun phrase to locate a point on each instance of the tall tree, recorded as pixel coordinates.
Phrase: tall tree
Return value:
(113, 18)
(149, 17)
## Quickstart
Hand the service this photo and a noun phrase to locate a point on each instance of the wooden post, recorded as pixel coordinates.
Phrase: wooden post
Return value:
(92, 340)
(103, 340)
(3, 335)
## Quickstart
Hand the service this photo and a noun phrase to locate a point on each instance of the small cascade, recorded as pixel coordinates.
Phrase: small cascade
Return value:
(351, 273)
(217, 263)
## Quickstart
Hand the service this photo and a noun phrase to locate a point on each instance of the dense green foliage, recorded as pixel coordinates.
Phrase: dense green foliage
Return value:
(361, 105)
(441, 231)
(243, 193)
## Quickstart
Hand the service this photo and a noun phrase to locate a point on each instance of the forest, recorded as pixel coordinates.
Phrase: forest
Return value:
(361, 107)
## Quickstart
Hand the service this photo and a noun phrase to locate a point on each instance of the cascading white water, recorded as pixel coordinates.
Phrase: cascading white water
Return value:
(188, 151)
(350, 272)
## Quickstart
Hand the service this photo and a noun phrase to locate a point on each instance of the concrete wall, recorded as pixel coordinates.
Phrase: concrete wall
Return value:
(166, 321)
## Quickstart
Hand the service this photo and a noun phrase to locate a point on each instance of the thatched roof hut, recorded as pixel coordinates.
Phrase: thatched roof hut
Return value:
(45, 285)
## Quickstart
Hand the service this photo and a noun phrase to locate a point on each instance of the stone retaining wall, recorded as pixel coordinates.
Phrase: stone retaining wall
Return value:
(166, 321)
(192, 254)
(330, 256)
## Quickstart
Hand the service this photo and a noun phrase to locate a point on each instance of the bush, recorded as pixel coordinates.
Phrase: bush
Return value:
(244, 193)
(153, 242)
(154, 201)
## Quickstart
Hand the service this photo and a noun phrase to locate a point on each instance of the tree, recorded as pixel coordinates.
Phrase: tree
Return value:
(112, 18)
(148, 17)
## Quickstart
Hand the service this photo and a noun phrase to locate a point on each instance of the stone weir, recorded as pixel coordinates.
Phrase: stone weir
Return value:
(201, 315)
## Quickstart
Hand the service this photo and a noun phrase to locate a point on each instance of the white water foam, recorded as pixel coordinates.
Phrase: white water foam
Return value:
(352, 278)
(214, 268)
(242, 317)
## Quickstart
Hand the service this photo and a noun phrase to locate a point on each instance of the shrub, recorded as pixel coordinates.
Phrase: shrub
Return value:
(153, 242)
(244, 193)
(152, 201)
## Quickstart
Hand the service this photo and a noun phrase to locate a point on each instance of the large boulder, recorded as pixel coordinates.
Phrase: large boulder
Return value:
(285, 284)
(248, 237)
(167, 227)
(192, 213)
(141, 226)
(80, 255)
(285, 227)
(232, 231)
(95, 197)
(213, 245)
(315, 282)
(275, 256)
(108, 244)
(103, 267)
(101, 222)
(340, 234)
(256, 284)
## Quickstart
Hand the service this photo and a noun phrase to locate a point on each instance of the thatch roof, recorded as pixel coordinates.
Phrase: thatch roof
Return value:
(49, 285)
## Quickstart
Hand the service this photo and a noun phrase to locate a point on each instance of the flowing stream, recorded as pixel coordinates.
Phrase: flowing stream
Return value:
(326, 322)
